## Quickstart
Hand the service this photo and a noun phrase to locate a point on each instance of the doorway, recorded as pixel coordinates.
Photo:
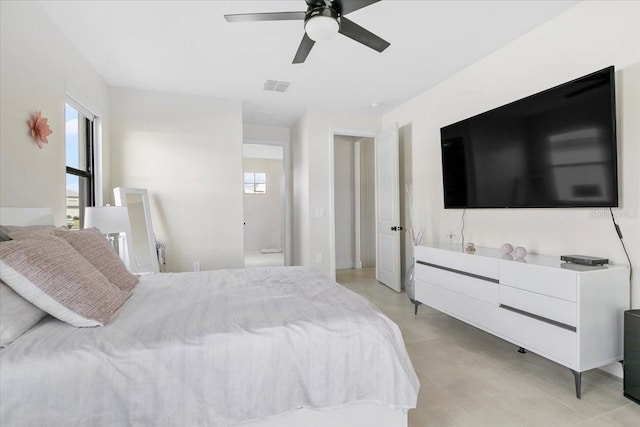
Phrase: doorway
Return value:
(398, 258)
(264, 205)
(354, 202)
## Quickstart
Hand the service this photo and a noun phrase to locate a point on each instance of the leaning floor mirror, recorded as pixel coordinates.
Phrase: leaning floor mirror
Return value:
(140, 249)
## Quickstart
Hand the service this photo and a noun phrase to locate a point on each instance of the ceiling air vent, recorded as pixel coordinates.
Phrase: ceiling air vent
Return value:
(276, 85)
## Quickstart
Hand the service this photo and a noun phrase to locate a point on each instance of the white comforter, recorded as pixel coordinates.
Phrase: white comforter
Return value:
(209, 349)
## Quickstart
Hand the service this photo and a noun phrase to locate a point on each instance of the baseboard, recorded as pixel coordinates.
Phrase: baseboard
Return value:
(614, 369)
(344, 265)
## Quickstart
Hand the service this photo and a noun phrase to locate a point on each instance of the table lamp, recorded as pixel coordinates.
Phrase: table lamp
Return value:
(110, 220)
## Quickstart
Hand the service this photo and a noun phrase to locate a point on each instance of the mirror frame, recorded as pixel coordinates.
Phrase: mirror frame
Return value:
(120, 194)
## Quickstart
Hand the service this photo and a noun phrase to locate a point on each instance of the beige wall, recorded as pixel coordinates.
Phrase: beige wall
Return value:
(38, 67)
(187, 152)
(367, 202)
(300, 193)
(344, 201)
(586, 38)
(264, 213)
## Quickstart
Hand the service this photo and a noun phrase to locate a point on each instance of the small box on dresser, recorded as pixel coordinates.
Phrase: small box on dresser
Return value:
(567, 313)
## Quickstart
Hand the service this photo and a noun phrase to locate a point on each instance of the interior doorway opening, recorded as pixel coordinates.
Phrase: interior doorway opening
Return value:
(389, 173)
(264, 205)
(354, 202)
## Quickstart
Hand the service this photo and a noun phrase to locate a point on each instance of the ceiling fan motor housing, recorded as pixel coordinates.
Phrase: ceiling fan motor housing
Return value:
(323, 10)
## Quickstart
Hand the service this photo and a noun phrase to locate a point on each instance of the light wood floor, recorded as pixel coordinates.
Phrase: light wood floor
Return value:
(471, 378)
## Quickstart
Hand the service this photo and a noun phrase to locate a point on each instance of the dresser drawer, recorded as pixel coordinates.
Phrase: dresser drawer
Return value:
(542, 306)
(553, 282)
(479, 289)
(557, 344)
(459, 262)
(474, 311)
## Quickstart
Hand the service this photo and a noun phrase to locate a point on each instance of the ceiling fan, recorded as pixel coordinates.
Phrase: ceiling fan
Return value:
(322, 20)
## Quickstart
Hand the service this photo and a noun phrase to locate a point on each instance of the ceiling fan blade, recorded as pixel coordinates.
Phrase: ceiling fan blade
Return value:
(267, 16)
(359, 34)
(348, 6)
(303, 50)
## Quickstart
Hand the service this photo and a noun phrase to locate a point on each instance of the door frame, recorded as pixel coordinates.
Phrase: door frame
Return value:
(332, 209)
(288, 189)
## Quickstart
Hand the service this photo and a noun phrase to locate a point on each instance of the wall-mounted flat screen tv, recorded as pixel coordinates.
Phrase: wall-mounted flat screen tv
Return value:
(554, 149)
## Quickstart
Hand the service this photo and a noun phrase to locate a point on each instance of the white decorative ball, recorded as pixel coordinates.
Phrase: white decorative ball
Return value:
(507, 257)
(507, 248)
(520, 252)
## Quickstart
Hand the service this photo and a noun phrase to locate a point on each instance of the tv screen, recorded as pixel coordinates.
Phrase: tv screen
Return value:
(556, 148)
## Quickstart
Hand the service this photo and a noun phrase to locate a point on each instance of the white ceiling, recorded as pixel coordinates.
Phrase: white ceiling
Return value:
(188, 47)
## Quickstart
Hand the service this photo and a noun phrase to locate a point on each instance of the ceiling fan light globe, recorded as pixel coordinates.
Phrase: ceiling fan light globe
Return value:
(321, 28)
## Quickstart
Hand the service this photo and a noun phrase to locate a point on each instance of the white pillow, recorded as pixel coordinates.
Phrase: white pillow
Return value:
(17, 315)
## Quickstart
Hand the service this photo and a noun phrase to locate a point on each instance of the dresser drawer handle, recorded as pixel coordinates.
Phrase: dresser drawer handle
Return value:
(464, 273)
(540, 318)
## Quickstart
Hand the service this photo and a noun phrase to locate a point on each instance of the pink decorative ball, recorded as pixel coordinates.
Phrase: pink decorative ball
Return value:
(507, 248)
(520, 252)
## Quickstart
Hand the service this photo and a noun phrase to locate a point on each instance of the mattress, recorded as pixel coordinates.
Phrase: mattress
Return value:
(214, 348)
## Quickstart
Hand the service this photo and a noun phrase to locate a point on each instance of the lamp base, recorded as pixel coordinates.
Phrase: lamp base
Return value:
(114, 239)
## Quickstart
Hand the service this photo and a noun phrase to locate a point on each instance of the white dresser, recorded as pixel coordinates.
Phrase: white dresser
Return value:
(568, 313)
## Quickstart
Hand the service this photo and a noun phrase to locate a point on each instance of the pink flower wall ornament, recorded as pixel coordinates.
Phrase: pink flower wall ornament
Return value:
(40, 129)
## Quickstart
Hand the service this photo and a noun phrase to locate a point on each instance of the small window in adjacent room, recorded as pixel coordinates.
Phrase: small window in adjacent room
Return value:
(80, 180)
(255, 183)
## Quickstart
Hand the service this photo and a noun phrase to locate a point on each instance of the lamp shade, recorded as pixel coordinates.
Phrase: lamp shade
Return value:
(107, 219)
(322, 28)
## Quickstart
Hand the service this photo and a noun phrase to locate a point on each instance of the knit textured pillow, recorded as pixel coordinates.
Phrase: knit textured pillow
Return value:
(53, 276)
(95, 248)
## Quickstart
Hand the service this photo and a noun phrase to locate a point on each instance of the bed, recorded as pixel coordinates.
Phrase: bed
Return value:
(279, 346)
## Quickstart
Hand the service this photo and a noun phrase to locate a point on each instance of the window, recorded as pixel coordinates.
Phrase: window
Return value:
(79, 155)
(255, 183)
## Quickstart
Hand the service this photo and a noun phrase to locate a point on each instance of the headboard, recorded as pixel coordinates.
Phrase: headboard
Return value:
(26, 216)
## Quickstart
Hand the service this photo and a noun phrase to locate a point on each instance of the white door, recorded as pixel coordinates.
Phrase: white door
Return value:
(388, 209)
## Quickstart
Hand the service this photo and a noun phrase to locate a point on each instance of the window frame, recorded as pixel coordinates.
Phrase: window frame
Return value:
(254, 183)
(89, 140)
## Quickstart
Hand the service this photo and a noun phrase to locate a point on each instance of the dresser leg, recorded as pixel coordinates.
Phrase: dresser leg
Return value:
(577, 376)
(522, 350)
(415, 310)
